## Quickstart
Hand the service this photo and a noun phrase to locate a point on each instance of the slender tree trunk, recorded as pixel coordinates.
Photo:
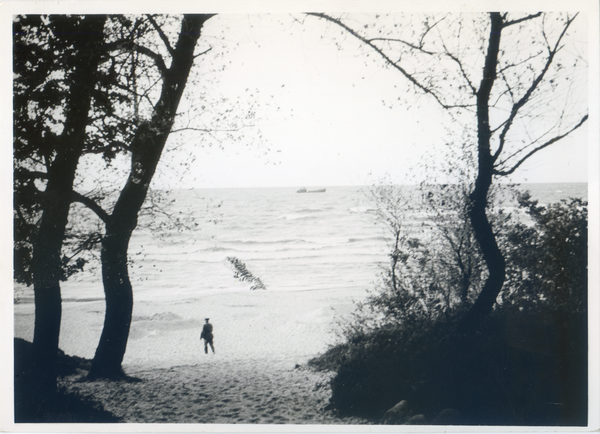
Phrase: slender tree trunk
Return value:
(482, 228)
(147, 147)
(46, 261)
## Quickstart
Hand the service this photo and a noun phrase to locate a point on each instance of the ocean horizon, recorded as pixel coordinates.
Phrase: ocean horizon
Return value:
(290, 240)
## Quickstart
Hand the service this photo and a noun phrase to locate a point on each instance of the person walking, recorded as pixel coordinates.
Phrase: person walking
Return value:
(207, 336)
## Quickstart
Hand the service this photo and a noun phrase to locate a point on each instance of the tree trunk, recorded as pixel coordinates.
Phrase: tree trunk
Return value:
(46, 261)
(147, 147)
(119, 305)
(482, 228)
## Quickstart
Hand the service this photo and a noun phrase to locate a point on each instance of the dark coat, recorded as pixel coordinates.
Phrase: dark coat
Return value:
(207, 332)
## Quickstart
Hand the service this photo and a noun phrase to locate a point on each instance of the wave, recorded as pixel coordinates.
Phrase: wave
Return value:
(314, 210)
(374, 238)
(259, 242)
(362, 210)
(164, 316)
(294, 216)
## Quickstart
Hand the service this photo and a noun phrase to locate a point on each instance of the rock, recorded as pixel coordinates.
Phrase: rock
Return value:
(447, 416)
(398, 414)
(418, 419)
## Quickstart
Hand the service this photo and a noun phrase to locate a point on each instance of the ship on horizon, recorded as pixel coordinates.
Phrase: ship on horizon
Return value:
(304, 190)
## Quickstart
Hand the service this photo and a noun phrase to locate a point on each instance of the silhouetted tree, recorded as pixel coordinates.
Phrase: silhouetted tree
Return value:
(515, 97)
(93, 94)
(146, 148)
(56, 65)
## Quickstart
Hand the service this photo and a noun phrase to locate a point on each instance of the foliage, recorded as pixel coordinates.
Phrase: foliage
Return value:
(242, 273)
(506, 375)
(45, 64)
(547, 259)
(435, 264)
(401, 343)
(472, 67)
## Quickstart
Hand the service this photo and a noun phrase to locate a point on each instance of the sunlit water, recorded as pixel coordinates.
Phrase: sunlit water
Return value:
(289, 240)
(314, 252)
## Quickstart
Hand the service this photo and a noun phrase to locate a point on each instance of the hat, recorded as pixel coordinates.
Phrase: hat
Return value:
(206, 319)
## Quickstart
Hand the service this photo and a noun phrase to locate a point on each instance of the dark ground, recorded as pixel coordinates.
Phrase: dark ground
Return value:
(61, 408)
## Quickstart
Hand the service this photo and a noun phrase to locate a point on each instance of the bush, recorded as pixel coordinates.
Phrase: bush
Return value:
(511, 373)
(527, 365)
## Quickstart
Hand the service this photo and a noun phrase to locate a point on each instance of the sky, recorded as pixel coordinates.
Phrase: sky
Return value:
(316, 112)
(320, 117)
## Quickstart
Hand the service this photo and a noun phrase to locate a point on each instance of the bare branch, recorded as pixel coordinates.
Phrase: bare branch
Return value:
(161, 34)
(203, 53)
(512, 65)
(91, 204)
(429, 28)
(520, 103)
(539, 148)
(130, 45)
(207, 130)
(85, 245)
(520, 20)
(402, 42)
(395, 65)
(463, 72)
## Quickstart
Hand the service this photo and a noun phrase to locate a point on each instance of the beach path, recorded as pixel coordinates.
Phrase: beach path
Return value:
(263, 340)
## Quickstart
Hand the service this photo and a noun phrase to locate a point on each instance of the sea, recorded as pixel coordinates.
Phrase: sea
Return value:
(290, 241)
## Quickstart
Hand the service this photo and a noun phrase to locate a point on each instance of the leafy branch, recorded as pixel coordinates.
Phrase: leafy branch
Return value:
(242, 273)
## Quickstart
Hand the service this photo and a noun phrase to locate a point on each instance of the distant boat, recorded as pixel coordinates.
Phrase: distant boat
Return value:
(304, 190)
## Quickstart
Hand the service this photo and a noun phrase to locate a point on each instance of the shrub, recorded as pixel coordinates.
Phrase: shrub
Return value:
(527, 365)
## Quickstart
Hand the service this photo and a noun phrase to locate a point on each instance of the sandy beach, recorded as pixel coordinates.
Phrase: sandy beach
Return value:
(263, 339)
(220, 392)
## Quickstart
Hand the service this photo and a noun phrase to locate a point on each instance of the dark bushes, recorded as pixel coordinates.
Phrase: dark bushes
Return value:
(525, 365)
(512, 372)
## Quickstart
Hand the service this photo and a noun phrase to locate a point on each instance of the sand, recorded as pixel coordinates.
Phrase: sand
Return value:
(220, 392)
(263, 340)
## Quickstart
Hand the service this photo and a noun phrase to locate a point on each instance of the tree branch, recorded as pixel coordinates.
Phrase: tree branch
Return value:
(402, 42)
(512, 65)
(395, 65)
(130, 45)
(463, 72)
(161, 34)
(539, 148)
(207, 130)
(203, 53)
(519, 104)
(429, 28)
(520, 20)
(22, 173)
(91, 204)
